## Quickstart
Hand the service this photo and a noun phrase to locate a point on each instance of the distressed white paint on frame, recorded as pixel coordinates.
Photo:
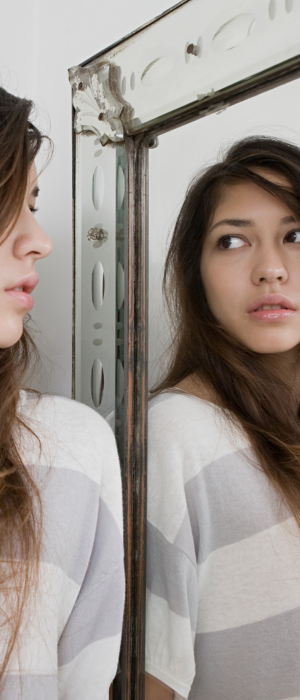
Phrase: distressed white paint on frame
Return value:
(238, 39)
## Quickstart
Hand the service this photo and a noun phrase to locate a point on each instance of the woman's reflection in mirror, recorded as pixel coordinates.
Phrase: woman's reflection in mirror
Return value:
(223, 571)
(61, 569)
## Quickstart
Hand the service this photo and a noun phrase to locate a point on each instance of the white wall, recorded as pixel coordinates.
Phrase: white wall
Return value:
(39, 41)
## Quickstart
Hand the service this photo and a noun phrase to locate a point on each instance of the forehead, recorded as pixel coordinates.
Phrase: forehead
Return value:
(247, 195)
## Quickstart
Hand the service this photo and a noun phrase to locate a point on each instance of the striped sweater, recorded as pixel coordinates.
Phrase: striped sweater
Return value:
(223, 571)
(70, 639)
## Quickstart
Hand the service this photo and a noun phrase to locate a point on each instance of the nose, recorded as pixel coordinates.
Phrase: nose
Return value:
(269, 267)
(32, 241)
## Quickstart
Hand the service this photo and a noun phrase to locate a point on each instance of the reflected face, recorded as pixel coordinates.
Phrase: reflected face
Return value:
(25, 244)
(250, 267)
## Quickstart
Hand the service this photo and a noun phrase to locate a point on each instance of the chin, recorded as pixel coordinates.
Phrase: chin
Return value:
(8, 339)
(272, 348)
(8, 344)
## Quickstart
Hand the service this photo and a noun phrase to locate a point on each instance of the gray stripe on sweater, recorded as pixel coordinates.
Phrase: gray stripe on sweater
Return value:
(229, 500)
(253, 662)
(171, 575)
(71, 506)
(95, 615)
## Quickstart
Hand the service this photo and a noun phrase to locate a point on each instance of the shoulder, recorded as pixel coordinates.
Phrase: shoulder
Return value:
(187, 435)
(59, 410)
(190, 432)
(175, 407)
(71, 434)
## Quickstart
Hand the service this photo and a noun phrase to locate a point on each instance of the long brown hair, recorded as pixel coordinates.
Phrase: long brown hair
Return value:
(235, 374)
(20, 506)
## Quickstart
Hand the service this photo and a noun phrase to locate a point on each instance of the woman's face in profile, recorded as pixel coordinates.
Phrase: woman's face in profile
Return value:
(250, 267)
(25, 244)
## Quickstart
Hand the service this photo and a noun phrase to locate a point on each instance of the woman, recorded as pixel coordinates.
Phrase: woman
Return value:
(223, 599)
(61, 556)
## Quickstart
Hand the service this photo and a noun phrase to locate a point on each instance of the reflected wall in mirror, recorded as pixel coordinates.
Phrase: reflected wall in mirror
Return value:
(223, 550)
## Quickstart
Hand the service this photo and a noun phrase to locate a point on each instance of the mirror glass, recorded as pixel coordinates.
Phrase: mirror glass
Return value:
(185, 643)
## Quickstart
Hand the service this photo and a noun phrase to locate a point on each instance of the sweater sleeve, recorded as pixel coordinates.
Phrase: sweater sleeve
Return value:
(72, 633)
(171, 562)
(88, 648)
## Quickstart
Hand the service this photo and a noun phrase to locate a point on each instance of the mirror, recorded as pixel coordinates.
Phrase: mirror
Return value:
(202, 626)
(236, 65)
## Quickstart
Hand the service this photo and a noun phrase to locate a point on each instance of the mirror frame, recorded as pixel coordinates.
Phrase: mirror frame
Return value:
(136, 342)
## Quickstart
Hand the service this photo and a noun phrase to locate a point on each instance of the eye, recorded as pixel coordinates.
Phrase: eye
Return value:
(230, 242)
(293, 237)
(32, 209)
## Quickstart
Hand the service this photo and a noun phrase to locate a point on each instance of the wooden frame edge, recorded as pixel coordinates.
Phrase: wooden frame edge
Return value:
(135, 452)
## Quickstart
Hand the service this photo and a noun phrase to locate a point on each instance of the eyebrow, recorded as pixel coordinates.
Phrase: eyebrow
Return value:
(35, 192)
(248, 222)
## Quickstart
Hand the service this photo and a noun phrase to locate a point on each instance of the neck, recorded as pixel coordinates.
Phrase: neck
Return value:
(285, 366)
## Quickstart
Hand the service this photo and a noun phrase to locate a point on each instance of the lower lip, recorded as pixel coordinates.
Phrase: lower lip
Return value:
(24, 299)
(272, 314)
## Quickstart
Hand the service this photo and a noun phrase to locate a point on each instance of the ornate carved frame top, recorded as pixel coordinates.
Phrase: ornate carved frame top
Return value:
(98, 102)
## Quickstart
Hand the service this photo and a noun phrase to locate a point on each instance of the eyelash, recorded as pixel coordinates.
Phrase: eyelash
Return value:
(235, 235)
(33, 210)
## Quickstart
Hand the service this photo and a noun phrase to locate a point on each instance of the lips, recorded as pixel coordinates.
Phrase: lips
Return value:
(271, 300)
(22, 289)
(271, 307)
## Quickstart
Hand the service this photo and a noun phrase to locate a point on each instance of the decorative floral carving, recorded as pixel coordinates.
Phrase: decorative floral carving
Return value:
(98, 101)
(97, 234)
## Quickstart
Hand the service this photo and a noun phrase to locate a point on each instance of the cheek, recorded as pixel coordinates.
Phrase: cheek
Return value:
(226, 290)
(218, 286)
